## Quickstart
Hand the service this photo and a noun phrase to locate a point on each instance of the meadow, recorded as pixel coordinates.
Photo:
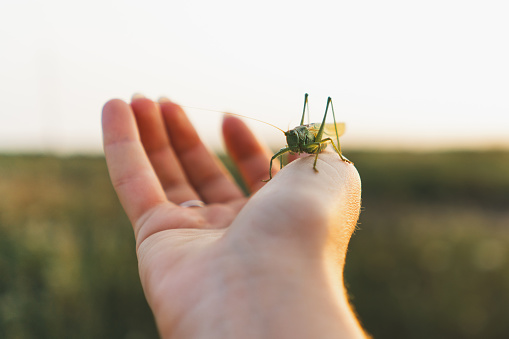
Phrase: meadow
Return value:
(430, 258)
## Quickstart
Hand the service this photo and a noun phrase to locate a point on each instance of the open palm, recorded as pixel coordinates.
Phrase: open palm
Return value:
(231, 259)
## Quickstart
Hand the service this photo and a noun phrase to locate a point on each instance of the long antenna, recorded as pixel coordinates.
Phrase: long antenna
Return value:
(234, 114)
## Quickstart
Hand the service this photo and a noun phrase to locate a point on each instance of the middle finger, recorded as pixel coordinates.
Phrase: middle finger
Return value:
(205, 172)
(162, 156)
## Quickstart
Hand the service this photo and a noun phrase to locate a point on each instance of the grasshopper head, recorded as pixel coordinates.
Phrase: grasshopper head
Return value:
(292, 137)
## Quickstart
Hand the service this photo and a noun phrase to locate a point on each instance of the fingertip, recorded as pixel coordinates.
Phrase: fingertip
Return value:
(229, 117)
(239, 139)
(112, 104)
(232, 126)
(110, 108)
(117, 122)
(142, 105)
(163, 99)
(336, 184)
(177, 122)
(136, 96)
(250, 156)
(169, 106)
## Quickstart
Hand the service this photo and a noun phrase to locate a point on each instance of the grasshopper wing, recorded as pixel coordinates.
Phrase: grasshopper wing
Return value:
(329, 128)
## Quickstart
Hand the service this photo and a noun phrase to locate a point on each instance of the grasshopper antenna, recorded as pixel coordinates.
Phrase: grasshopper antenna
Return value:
(234, 114)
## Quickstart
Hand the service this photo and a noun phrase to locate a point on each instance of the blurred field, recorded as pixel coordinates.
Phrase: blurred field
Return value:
(430, 258)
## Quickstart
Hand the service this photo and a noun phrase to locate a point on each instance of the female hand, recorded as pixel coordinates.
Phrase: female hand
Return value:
(265, 266)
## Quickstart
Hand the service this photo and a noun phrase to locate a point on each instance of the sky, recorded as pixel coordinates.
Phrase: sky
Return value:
(409, 75)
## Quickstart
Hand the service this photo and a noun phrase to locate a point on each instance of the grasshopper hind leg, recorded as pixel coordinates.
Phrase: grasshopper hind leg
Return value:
(338, 150)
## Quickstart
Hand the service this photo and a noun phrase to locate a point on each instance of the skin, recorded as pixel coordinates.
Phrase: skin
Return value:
(265, 266)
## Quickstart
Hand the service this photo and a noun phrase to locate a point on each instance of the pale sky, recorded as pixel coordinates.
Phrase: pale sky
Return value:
(403, 74)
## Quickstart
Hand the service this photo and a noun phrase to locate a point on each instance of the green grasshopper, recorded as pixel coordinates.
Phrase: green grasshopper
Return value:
(305, 138)
(309, 138)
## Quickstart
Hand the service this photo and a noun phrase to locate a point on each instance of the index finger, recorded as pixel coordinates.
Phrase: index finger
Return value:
(132, 176)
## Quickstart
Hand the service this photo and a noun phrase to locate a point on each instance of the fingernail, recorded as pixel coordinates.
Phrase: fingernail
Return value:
(163, 99)
(137, 96)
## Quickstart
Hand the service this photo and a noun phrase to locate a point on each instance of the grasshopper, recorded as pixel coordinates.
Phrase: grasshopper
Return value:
(310, 138)
(305, 138)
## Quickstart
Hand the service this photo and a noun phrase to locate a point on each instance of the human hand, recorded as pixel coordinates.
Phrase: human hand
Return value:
(268, 266)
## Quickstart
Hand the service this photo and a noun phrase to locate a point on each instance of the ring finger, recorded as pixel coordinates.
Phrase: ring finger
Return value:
(204, 171)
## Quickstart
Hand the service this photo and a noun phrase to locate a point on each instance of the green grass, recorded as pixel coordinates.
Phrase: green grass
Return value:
(67, 261)
(430, 258)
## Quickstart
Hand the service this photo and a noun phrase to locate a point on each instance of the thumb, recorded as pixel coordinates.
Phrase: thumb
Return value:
(305, 206)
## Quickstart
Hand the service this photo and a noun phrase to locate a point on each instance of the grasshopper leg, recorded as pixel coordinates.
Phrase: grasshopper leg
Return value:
(337, 150)
(319, 135)
(279, 153)
(316, 159)
(316, 148)
(319, 149)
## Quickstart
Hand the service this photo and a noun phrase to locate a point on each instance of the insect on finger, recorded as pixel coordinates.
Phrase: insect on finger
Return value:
(309, 138)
